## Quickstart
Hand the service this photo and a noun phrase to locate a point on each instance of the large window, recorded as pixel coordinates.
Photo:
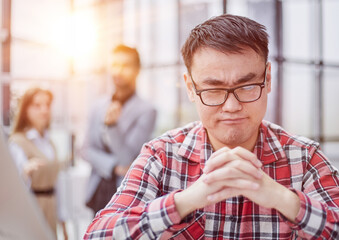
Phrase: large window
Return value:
(65, 45)
(309, 47)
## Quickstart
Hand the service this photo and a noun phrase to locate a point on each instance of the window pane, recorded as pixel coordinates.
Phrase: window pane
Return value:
(262, 11)
(34, 23)
(331, 151)
(161, 28)
(331, 30)
(331, 100)
(159, 86)
(193, 13)
(36, 61)
(298, 29)
(298, 103)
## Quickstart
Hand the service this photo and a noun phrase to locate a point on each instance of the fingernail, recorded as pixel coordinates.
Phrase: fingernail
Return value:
(259, 174)
(259, 163)
(205, 169)
(205, 179)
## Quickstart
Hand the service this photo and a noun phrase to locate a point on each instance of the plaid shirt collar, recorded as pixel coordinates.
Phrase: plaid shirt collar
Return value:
(268, 147)
(197, 148)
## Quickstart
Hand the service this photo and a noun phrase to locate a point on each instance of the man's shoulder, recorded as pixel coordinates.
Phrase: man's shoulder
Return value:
(102, 100)
(286, 138)
(99, 102)
(142, 103)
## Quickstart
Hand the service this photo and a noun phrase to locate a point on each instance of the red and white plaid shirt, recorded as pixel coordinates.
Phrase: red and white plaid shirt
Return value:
(144, 208)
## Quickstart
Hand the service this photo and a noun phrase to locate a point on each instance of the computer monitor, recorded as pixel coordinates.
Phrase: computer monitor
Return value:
(20, 215)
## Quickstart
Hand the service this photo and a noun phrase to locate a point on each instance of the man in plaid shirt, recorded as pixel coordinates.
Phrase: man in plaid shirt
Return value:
(231, 175)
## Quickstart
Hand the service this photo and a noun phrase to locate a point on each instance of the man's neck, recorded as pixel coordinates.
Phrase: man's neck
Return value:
(122, 95)
(249, 145)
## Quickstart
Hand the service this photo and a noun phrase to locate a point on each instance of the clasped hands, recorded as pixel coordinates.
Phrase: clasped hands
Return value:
(236, 172)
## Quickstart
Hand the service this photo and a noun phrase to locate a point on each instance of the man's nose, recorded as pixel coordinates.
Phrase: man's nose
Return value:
(119, 69)
(45, 108)
(231, 104)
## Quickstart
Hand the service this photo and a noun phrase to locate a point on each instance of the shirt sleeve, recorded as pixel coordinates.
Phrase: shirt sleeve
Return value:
(20, 160)
(139, 210)
(318, 216)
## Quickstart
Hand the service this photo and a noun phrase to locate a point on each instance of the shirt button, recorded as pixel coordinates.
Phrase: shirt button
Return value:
(232, 218)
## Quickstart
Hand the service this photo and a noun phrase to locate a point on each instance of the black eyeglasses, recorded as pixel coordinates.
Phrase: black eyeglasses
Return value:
(218, 96)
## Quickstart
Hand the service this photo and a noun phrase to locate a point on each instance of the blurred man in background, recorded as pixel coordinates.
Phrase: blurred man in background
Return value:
(119, 124)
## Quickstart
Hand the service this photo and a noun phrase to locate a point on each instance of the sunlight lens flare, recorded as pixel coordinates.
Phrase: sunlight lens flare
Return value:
(75, 35)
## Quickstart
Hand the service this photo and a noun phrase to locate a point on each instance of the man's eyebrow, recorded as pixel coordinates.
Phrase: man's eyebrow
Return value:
(241, 80)
(212, 82)
(246, 78)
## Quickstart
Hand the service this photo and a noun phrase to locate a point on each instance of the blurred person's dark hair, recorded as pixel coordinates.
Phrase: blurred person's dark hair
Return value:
(228, 34)
(21, 121)
(128, 50)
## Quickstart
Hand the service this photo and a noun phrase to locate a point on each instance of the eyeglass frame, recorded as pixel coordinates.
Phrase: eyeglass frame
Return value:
(230, 90)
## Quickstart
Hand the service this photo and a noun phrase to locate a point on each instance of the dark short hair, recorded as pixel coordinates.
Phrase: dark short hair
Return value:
(128, 50)
(228, 34)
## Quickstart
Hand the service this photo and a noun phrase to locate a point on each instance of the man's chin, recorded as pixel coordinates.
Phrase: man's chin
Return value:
(226, 138)
(232, 141)
(121, 86)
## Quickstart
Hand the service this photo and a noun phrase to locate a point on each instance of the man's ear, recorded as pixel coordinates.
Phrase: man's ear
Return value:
(189, 87)
(268, 77)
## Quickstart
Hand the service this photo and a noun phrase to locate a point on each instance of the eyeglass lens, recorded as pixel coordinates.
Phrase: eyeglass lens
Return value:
(243, 94)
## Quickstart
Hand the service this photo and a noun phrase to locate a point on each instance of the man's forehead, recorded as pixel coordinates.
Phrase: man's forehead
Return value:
(228, 76)
(122, 54)
(124, 57)
(243, 51)
(214, 61)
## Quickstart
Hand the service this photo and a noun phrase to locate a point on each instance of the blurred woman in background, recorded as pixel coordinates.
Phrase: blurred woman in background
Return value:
(34, 153)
